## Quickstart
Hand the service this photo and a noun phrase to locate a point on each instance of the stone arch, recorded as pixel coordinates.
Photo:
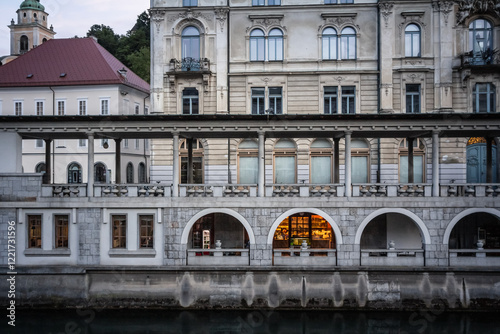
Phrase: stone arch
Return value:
(465, 213)
(232, 213)
(333, 224)
(420, 224)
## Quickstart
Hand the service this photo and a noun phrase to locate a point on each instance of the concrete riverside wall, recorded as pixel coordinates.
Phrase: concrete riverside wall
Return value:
(264, 288)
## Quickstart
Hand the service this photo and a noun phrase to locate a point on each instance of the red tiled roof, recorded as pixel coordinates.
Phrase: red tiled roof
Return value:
(83, 60)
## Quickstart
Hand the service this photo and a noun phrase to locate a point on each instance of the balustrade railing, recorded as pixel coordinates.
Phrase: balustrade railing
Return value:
(218, 257)
(304, 257)
(196, 190)
(470, 190)
(392, 257)
(64, 190)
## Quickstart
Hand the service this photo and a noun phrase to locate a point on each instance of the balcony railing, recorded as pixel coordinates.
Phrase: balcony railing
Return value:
(371, 190)
(304, 257)
(485, 58)
(218, 257)
(392, 257)
(474, 257)
(190, 65)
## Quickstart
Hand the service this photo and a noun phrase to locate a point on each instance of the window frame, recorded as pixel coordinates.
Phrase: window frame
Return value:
(320, 152)
(332, 100)
(190, 3)
(150, 232)
(346, 98)
(39, 143)
(260, 100)
(188, 41)
(192, 100)
(477, 54)
(117, 219)
(39, 107)
(490, 95)
(57, 231)
(38, 238)
(260, 43)
(345, 40)
(18, 107)
(69, 170)
(410, 96)
(247, 153)
(82, 106)
(275, 100)
(129, 173)
(104, 106)
(418, 150)
(333, 40)
(61, 107)
(198, 153)
(409, 41)
(285, 152)
(361, 152)
(273, 45)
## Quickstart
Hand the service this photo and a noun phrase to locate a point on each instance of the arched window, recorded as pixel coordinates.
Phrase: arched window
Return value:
(191, 43)
(190, 101)
(481, 41)
(41, 168)
(321, 162)
(348, 43)
(483, 98)
(44, 40)
(24, 44)
(285, 162)
(257, 45)
(142, 173)
(130, 173)
(412, 40)
(360, 165)
(74, 173)
(418, 161)
(100, 173)
(275, 45)
(329, 40)
(248, 162)
(198, 174)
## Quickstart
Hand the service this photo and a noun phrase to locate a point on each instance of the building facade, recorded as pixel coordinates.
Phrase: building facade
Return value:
(304, 154)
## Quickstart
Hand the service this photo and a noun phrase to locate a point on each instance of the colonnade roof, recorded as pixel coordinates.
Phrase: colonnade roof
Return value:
(249, 126)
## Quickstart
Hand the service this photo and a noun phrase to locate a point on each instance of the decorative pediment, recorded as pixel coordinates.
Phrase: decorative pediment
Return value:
(467, 8)
(266, 21)
(189, 15)
(339, 20)
(415, 17)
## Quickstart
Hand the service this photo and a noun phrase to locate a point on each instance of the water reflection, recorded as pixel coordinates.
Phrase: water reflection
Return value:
(251, 322)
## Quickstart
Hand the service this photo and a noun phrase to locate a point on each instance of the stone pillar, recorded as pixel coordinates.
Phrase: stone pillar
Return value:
(336, 160)
(435, 164)
(262, 166)
(348, 171)
(489, 160)
(222, 28)
(175, 167)
(387, 39)
(189, 144)
(118, 161)
(90, 165)
(48, 165)
(411, 177)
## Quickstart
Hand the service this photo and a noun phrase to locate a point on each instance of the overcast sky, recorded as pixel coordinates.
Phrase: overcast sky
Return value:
(74, 18)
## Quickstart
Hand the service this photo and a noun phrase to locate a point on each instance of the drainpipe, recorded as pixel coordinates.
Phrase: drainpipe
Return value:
(53, 141)
(144, 145)
(228, 95)
(378, 92)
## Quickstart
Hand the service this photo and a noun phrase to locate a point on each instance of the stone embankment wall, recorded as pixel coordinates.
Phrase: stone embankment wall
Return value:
(393, 289)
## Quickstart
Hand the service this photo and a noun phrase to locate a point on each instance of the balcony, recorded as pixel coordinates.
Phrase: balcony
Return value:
(189, 65)
(392, 257)
(475, 257)
(305, 190)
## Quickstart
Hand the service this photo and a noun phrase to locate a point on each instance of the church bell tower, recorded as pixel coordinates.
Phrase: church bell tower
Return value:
(31, 28)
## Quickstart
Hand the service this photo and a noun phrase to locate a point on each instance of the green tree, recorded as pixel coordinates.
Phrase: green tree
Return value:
(140, 63)
(105, 36)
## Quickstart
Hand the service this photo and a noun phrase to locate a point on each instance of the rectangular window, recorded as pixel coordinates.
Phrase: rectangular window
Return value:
(18, 107)
(274, 2)
(418, 169)
(39, 108)
(321, 169)
(82, 107)
(39, 143)
(346, 1)
(137, 144)
(146, 144)
(484, 98)
(359, 169)
(248, 167)
(190, 3)
(330, 2)
(125, 143)
(105, 107)
(275, 100)
(146, 111)
(330, 100)
(348, 100)
(258, 95)
(61, 226)
(119, 231)
(61, 108)
(35, 231)
(412, 98)
(146, 226)
(190, 102)
(82, 142)
(284, 170)
(258, 2)
(137, 109)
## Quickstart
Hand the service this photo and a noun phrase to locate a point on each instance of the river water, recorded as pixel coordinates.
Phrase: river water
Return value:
(94, 321)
